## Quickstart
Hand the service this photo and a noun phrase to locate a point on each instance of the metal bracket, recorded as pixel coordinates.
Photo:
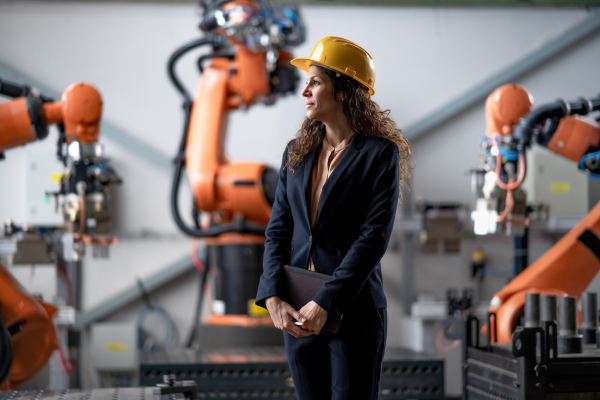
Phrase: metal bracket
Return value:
(189, 389)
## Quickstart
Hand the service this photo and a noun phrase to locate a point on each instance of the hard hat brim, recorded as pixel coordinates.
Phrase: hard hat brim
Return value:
(302, 63)
(305, 63)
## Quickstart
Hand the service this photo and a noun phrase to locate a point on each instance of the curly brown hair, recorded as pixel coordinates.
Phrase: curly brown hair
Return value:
(364, 116)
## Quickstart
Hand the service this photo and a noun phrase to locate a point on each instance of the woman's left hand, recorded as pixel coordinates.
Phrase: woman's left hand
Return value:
(315, 316)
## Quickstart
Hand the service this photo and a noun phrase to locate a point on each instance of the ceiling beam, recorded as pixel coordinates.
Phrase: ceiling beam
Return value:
(526, 64)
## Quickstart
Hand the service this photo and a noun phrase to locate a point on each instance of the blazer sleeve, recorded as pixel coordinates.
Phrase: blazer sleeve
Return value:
(277, 245)
(375, 231)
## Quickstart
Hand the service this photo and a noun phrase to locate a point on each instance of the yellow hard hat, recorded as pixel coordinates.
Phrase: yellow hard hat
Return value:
(343, 56)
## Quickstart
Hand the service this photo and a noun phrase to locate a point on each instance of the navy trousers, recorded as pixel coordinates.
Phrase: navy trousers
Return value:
(343, 366)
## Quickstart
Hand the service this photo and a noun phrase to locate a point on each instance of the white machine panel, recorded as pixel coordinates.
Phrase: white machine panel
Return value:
(43, 171)
(556, 181)
(114, 346)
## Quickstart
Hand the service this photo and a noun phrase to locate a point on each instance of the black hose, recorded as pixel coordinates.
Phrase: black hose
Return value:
(194, 336)
(595, 102)
(584, 106)
(211, 56)
(176, 56)
(238, 225)
(528, 125)
(6, 352)
(13, 90)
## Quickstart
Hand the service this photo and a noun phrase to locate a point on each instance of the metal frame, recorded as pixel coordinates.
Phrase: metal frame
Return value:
(528, 368)
(262, 372)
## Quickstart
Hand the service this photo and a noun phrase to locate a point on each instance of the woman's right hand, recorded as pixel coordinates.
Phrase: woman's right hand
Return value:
(284, 315)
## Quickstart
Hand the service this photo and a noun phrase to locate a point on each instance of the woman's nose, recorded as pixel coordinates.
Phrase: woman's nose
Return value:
(305, 91)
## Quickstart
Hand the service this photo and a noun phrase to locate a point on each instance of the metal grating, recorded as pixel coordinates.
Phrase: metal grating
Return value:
(262, 373)
(92, 394)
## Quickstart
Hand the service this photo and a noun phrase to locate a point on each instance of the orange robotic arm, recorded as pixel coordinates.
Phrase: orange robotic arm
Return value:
(26, 118)
(247, 67)
(28, 336)
(569, 266)
(216, 183)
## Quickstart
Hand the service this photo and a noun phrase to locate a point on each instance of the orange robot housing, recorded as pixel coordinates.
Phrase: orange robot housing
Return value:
(217, 184)
(504, 107)
(29, 321)
(26, 119)
(570, 265)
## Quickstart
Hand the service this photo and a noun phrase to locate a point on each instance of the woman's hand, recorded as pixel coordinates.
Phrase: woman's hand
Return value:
(315, 317)
(284, 315)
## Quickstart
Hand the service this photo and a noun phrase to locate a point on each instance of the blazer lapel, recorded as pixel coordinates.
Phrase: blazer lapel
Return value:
(305, 171)
(308, 165)
(347, 158)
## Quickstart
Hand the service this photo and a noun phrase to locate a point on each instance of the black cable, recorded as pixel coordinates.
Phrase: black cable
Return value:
(176, 56)
(211, 56)
(153, 309)
(528, 125)
(238, 225)
(193, 336)
(195, 214)
(595, 103)
(62, 139)
(116, 177)
(145, 296)
(187, 103)
(13, 90)
(6, 352)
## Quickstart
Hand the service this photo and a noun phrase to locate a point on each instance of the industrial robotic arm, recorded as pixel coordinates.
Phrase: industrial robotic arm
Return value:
(27, 334)
(28, 117)
(512, 128)
(248, 64)
(22, 120)
(85, 183)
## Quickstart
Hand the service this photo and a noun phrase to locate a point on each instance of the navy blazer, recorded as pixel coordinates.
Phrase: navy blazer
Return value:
(352, 230)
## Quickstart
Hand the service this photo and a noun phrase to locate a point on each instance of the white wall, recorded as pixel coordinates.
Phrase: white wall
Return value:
(425, 57)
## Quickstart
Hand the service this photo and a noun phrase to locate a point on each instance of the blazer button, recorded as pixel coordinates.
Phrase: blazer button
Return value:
(310, 239)
(292, 248)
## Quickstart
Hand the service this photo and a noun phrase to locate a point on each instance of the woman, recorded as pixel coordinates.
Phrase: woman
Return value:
(334, 211)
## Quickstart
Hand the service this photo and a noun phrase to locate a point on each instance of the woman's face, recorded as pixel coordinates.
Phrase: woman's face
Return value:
(318, 92)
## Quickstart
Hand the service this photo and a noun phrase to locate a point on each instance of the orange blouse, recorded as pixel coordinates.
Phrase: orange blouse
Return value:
(329, 157)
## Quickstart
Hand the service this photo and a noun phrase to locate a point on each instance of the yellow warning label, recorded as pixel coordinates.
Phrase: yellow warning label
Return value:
(115, 346)
(256, 311)
(560, 187)
(56, 177)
